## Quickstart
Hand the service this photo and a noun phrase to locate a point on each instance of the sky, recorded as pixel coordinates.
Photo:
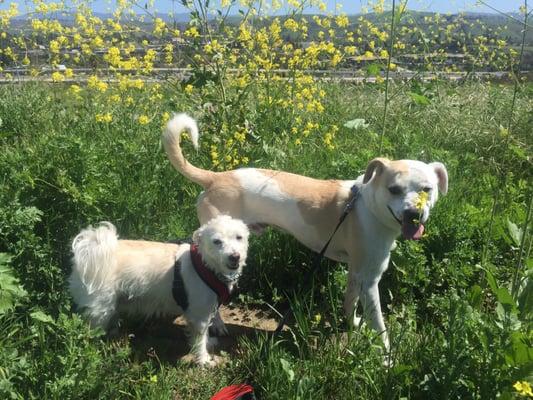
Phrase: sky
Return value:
(348, 6)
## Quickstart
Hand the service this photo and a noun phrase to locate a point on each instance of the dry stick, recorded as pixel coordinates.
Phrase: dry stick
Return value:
(503, 174)
(386, 105)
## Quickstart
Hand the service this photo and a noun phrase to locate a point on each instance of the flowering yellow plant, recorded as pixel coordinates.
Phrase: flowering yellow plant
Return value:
(421, 200)
(523, 388)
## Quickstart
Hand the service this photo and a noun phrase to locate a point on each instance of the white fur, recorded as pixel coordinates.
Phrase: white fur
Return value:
(182, 122)
(112, 276)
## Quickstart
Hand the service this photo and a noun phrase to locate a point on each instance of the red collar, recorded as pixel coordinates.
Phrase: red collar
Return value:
(209, 278)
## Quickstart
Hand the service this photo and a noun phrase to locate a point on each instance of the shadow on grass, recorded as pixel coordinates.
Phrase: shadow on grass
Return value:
(167, 340)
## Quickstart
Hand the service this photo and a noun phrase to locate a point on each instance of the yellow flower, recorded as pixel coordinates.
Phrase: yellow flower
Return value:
(75, 89)
(106, 118)
(192, 32)
(523, 388)
(143, 119)
(57, 77)
(421, 200)
(95, 83)
(189, 88)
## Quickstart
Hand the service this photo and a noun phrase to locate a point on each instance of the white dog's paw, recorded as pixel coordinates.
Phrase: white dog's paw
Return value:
(206, 361)
(218, 328)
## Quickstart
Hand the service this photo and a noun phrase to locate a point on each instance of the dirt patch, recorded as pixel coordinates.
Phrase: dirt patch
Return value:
(167, 340)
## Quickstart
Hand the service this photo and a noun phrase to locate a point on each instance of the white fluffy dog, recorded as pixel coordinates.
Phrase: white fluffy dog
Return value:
(111, 276)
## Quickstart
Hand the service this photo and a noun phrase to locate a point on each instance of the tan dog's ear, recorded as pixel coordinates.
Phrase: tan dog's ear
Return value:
(442, 174)
(376, 165)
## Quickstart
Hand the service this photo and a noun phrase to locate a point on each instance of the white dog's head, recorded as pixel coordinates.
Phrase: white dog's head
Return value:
(223, 243)
(403, 192)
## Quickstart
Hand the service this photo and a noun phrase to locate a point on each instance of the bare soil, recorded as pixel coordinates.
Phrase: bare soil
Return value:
(167, 340)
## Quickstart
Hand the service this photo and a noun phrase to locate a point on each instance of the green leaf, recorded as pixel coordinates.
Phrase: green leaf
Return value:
(491, 281)
(505, 297)
(286, 366)
(515, 232)
(358, 123)
(419, 99)
(10, 289)
(475, 296)
(42, 317)
(373, 69)
(519, 353)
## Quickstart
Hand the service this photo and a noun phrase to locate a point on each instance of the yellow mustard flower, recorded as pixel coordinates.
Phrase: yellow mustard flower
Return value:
(143, 119)
(421, 200)
(523, 388)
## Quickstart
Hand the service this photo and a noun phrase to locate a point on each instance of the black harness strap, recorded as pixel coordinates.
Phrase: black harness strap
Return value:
(318, 257)
(178, 287)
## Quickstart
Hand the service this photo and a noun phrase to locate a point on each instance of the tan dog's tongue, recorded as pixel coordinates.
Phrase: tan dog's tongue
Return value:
(412, 231)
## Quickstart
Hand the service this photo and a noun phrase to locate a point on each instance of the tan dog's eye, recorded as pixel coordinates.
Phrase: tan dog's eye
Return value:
(427, 189)
(395, 190)
(218, 242)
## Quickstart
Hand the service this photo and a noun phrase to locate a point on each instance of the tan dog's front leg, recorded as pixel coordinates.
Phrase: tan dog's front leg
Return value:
(372, 310)
(351, 297)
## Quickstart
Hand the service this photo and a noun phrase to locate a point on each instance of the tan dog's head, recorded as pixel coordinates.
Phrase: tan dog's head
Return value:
(403, 192)
(223, 244)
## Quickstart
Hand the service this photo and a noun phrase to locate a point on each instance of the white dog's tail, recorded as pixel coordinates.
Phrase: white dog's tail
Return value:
(171, 141)
(94, 255)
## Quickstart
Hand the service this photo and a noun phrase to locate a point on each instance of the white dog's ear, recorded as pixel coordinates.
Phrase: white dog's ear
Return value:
(376, 165)
(197, 235)
(442, 174)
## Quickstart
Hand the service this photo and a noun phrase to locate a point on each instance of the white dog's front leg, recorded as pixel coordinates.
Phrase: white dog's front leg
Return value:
(199, 339)
(372, 310)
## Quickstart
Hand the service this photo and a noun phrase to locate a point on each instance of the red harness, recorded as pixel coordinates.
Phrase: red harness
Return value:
(209, 278)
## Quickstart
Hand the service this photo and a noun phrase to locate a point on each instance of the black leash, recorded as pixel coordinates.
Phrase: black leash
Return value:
(355, 190)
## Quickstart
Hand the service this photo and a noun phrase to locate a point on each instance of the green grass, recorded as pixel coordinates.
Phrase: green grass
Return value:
(455, 330)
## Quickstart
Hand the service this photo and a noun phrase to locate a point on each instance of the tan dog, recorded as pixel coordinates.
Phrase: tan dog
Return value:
(395, 197)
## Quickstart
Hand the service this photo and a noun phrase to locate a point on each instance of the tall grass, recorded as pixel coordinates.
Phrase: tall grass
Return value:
(451, 336)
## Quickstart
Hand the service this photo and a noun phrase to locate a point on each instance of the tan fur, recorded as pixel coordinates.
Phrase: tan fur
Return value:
(319, 207)
(155, 255)
(175, 155)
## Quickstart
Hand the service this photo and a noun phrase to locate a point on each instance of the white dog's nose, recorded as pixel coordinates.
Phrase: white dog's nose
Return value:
(234, 258)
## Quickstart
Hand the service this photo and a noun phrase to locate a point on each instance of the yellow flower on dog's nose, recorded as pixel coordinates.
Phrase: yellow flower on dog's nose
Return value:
(421, 200)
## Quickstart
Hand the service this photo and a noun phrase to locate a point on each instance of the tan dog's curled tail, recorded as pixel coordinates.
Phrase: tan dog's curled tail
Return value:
(94, 255)
(171, 142)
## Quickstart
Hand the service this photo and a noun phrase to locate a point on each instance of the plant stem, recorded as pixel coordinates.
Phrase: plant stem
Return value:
(503, 174)
(386, 105)
(515, 285)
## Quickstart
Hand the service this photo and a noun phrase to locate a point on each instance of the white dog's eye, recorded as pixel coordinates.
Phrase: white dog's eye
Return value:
(395, 190)
(238, 237)
(218, 242)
